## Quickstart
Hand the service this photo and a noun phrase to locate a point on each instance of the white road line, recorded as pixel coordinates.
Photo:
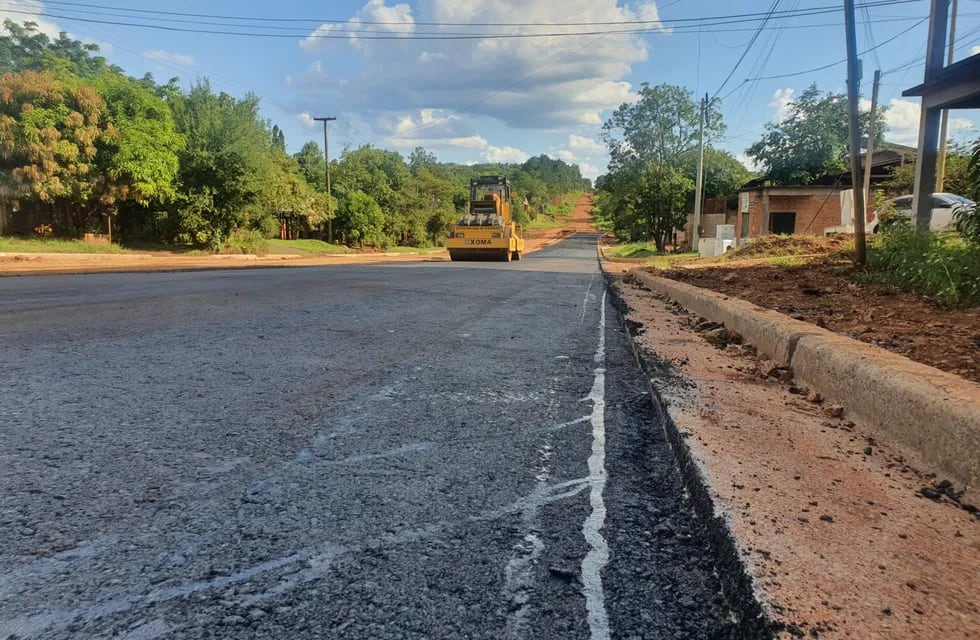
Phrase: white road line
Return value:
(585, 302)
(597, 557)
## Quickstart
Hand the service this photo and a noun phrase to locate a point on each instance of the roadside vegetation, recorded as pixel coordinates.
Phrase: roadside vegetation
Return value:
(652, 144)
(943, 266)
(53, 245)
(186, 167)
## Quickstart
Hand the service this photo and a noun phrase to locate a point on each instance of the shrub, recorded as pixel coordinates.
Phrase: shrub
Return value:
(967, 220)
(248, 241)
(938, 265)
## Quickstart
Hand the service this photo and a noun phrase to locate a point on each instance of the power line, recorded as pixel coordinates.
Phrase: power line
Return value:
(834, 64)
(339, 34)
(658, 21)
(748, 47)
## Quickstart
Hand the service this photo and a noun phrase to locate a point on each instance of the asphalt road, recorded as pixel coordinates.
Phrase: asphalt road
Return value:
(451, 450)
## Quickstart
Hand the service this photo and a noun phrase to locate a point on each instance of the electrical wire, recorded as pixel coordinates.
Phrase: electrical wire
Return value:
(657, 21)
(748, 47)
(336, 34)
(834, 64)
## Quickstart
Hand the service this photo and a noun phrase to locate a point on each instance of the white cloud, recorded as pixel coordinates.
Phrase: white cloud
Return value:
(585, 145)
(558, 85)
(585, 152)
(428, 56)
(504, 154)
(974, 51)
(159, 55)
(780, 103)
(427, 128)
(20, 12)
(287, 80)
(902, 119)
(396, 19)
(306, 119)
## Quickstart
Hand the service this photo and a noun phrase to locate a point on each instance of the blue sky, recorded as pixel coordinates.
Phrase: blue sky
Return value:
(507, 99)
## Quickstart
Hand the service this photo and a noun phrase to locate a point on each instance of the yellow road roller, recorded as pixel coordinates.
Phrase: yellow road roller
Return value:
(487, 231)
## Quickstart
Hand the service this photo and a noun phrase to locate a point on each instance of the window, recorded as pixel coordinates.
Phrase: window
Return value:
(782, 223)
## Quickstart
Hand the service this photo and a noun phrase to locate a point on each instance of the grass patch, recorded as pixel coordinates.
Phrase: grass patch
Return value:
(672, 260)
(543, 222)
(940, 266)
(649, 250)
(306, 247)
(54, 245)
(414, 249)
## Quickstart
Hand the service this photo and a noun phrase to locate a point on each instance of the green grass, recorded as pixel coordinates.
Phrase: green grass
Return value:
(54, 245)
(414, 249)
(647, 250)
(940, 266)
(543, 222)
(306, 247)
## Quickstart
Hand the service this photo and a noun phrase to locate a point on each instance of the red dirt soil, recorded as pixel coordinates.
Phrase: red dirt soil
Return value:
(818, 292)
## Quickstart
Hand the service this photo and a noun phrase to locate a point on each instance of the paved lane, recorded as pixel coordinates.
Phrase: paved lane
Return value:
(442, 450)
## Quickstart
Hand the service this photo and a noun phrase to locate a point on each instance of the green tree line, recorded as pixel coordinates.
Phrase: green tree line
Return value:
(81, 142)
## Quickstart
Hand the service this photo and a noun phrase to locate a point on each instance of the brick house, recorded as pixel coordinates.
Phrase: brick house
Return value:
(765, 209)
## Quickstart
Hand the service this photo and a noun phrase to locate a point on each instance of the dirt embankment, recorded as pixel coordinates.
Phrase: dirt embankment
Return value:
(821, 292)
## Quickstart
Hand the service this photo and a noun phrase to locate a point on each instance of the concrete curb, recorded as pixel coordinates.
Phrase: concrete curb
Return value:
(754, 622)
(935, 413)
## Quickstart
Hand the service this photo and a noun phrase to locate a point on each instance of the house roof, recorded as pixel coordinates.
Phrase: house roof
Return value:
(954, 87)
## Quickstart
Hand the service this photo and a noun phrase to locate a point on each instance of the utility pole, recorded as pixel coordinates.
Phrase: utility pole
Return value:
(853, 95)
(944, 123)
(326, 158)
(699, 183)
(869, 157)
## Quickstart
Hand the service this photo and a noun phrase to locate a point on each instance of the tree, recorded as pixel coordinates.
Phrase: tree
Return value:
(658, 127)
(141, 161)
(312, 166)
(957, 174)
(421, 160)
(278, 139)
(24, 48)
(724, 175)
(361, 219)
(224, 168)
(812, 140)
(653, 145)
(50, 132)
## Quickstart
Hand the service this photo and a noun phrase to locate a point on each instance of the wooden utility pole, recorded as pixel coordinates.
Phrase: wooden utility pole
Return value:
(699, 182)
(853, 95)
(944, 123)
(326, 158)
(869, 156)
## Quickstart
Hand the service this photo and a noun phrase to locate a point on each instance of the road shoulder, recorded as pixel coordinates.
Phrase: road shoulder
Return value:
(829, 522)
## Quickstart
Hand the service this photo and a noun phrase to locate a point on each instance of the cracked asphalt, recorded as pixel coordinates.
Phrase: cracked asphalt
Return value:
(379, 451)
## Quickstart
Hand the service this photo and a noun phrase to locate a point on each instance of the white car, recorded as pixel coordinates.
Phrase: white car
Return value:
(943, 206)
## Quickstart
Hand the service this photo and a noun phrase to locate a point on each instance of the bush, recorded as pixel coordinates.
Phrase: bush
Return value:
(248, 241)
(942, 266)
(967, 220)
